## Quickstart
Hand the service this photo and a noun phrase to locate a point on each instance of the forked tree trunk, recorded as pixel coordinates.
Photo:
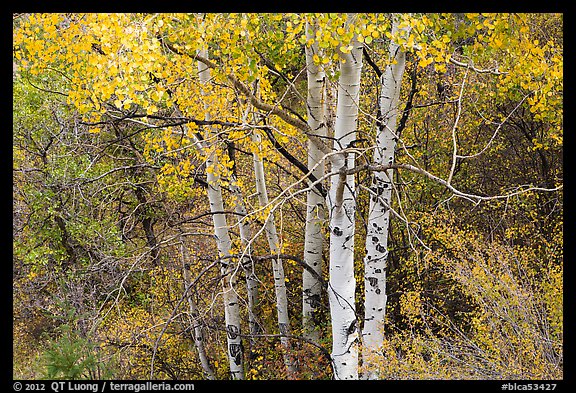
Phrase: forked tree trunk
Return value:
(342, 205)
(379, 211)
(315, 212)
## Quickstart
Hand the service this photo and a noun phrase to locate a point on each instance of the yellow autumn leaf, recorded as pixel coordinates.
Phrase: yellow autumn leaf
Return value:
(425, 62)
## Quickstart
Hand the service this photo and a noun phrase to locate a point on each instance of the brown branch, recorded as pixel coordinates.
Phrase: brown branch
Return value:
(294, 161)
(371, 62)
(409, 103)
(45, 90)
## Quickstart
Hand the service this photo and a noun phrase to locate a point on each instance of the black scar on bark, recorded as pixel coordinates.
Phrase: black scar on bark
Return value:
(312, 299)
(315, 301)
(374, 239)
(283, 327)
(378, 271)
(232, 331)
(380, 248)
(337, 231)
(236, 353)
(373, 281)
(351, 328)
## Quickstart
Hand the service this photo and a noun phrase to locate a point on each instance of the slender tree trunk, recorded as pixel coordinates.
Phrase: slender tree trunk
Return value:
(147, 224)
(342, 226)
(277, 267)
(379, 212)
(315, 212)
(198, 332)
(223, 242)
(246, 261)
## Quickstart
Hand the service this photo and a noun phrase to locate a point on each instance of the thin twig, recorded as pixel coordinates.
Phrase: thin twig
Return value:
(454, 127)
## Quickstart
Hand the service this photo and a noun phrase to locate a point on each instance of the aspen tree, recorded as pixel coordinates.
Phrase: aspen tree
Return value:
(199, 337)
(246, 260)
(342, 209)
(223, 242)
(277, 266)
(380, 200)
(315, 211)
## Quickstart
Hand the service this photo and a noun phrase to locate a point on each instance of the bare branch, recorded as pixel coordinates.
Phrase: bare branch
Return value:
(471, 197)
(173, 314)
(470, 65)
(497, 129)
(455, 126)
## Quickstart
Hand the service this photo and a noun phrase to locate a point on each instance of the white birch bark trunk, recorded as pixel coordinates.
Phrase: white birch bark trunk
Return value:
(196, 322)
(379, 211)
(315, 212)
(223, 242)
(342, 226)
(246, 261)
(277, 266)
